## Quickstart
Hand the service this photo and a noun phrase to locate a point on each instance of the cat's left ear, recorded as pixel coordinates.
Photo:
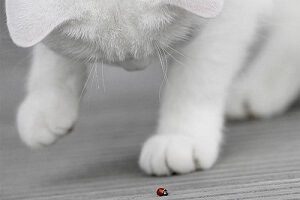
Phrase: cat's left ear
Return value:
(30, 21)
(203, 8)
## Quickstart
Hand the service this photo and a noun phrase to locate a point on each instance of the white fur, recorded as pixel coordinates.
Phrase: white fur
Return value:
(271, 83)
(51, 107)
(208, 56)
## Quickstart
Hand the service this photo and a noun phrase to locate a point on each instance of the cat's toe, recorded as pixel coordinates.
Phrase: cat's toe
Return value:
(43, 118)
(163, 155)
(180, 155)
(152, 159)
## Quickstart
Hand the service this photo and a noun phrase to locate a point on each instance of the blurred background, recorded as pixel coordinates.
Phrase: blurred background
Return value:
(99, 160)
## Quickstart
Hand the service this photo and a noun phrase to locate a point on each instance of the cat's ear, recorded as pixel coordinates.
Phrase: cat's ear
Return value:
(30, 21)
(203, 8)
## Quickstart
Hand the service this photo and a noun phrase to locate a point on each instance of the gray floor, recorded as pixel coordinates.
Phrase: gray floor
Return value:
(260, 160)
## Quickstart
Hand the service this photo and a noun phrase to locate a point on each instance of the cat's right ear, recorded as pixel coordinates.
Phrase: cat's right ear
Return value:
(30, 21)
(202, 8)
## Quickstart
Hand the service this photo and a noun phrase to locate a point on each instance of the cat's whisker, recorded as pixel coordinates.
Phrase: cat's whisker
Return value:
(176, 51)
(97, 78)
(86, 82)
(166, 64)
(94, 75)
(161, 90)
(166, 80)
(174, 58)
(162, 62)
(165, 77)
(102, 77)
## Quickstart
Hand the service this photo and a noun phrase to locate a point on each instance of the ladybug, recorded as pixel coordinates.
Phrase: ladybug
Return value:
(162, 192)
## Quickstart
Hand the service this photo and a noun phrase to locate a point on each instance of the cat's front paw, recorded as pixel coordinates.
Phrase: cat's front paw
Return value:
(45, 116)
(167, 154)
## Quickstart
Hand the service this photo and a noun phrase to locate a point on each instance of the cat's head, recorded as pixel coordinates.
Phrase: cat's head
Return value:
(107, 27)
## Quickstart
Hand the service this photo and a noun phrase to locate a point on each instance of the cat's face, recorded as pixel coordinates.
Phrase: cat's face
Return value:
(107, 30)
(120, 30)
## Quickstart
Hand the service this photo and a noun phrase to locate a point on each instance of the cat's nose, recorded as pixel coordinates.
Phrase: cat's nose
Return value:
(135, 65)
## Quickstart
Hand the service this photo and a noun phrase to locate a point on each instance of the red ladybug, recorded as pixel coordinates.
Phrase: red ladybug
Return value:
(162, 192)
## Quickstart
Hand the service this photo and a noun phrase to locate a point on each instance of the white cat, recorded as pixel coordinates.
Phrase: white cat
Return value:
(212, 62)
